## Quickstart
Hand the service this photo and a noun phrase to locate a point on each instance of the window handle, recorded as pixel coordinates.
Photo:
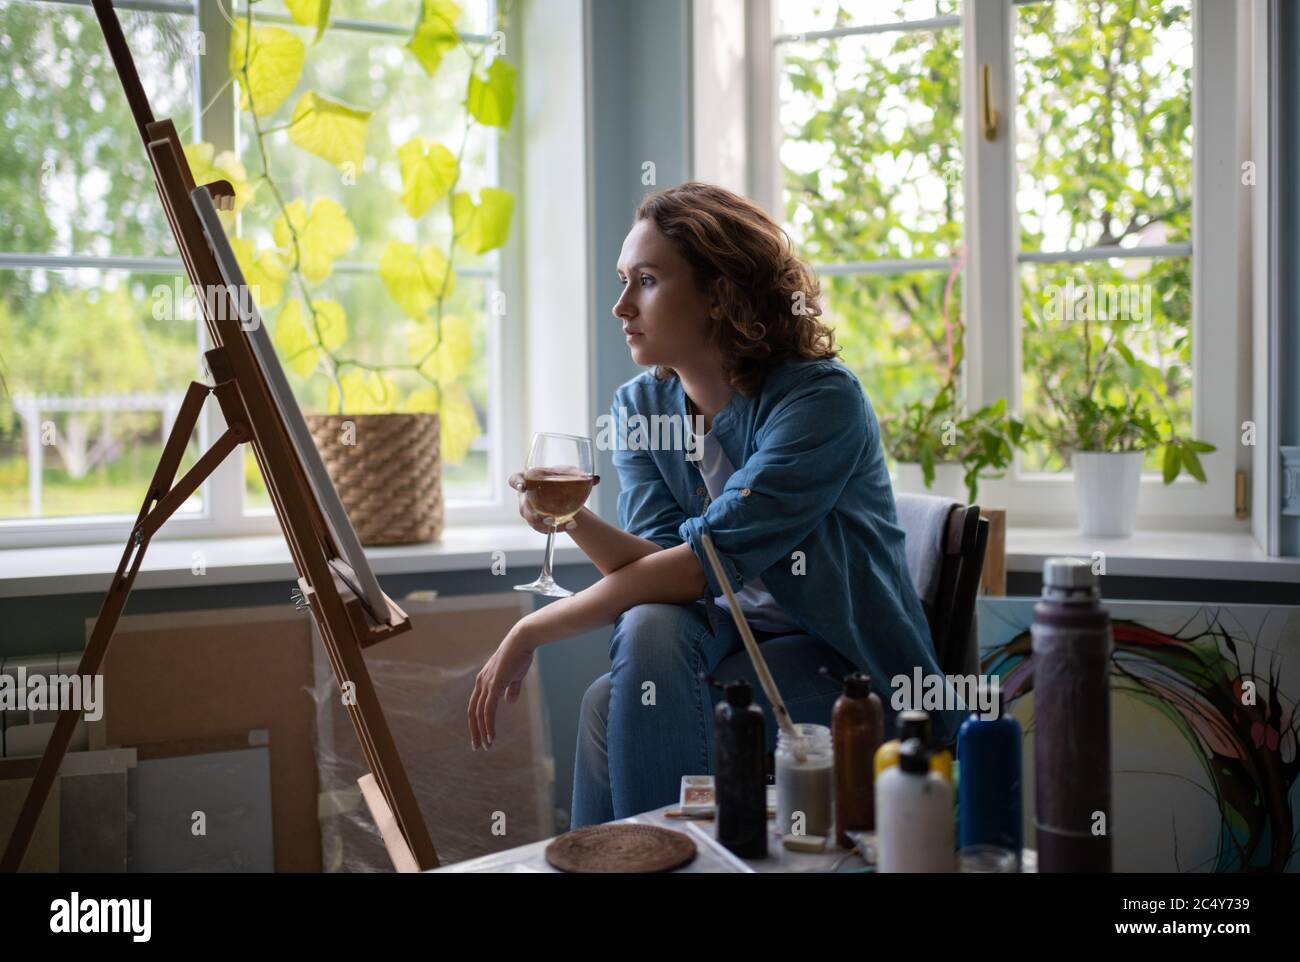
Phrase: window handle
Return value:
(988, 116)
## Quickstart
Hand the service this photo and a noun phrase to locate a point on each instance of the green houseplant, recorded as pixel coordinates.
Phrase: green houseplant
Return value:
(1106, 430)
(930, 436)
(387, 423)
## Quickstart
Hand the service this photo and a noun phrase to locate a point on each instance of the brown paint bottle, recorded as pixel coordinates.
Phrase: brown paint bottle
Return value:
(857, 728)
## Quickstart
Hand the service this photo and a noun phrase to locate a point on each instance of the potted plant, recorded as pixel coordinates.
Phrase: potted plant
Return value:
(940, 449)
(388, 422)
(1107, 403)
(1106, 442)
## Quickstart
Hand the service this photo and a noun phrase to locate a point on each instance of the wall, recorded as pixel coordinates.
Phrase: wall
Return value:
(639, 108)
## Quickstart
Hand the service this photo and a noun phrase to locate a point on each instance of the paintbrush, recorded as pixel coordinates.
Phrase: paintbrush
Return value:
(760, 664)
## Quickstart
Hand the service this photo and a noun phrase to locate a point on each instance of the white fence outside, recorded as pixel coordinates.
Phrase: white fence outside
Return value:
(30, 408)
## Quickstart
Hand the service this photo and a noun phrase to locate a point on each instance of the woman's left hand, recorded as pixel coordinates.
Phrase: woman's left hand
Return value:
(502, 675)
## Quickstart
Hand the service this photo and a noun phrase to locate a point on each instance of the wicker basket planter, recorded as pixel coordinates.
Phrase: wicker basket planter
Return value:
(388, 471)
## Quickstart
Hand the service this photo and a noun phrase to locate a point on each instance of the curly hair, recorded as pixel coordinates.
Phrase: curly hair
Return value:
(771, 300)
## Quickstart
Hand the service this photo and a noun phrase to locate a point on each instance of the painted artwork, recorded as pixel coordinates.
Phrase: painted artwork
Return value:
(1204, 730)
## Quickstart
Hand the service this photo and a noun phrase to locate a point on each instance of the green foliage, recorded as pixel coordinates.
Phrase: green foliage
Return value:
(984, 442)
(1100, 378)
(74, 180)
(435, 33)
(1089, 423)
(872, 170)
(313, 331)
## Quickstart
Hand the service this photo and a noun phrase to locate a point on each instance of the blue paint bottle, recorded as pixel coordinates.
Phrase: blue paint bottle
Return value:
(990, 790)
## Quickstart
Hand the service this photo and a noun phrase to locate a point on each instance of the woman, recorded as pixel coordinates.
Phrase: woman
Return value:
(788, 479)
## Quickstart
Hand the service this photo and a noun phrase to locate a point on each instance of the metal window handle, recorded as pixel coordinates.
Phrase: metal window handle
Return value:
(988, 115)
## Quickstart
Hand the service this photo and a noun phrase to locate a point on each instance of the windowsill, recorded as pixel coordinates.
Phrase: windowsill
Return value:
(1214, 556)
(249, 560)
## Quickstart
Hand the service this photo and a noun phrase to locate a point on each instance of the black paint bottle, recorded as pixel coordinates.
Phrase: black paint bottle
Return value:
(740, 777)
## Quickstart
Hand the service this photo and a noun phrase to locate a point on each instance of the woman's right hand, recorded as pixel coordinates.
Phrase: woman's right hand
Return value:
(535, 521)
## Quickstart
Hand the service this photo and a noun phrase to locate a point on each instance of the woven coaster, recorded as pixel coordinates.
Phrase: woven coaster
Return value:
(620, 848)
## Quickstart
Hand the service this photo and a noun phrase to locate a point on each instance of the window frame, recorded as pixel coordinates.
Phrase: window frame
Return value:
(991, 278)
(224, 512)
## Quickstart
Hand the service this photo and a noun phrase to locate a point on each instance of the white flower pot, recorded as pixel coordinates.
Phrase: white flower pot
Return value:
(948, 480)
(1106, 491)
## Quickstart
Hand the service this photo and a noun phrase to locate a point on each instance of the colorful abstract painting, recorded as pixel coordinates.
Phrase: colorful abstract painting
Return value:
(1204, 730)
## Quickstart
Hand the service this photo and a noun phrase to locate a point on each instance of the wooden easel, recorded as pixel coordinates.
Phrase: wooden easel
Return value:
(345, 623)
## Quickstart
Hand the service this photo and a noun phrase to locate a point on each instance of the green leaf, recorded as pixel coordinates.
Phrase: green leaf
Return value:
(264, 272)
(492, 101)
(310, 13)
(415, 280)
(443, 359)
(483, 226)
(435, 33)
(330, 130)
(322, 236)
(297, 350)
(1171, 463)
(458, 424)
(329, 319)
(422, 400)
(927, 465)
(1193, 464)
(364, 392)
(275, 59)
(428, 171)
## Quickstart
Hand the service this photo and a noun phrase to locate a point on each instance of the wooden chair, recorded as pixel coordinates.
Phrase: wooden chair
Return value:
(950, 611)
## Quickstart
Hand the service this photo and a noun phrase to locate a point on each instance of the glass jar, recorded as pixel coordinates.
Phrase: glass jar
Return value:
(985, 859)
(804, 781)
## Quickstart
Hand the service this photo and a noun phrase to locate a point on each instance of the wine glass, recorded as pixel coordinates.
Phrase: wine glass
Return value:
(558, 477)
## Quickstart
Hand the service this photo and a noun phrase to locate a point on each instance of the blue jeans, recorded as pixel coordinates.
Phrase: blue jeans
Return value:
(649, 721)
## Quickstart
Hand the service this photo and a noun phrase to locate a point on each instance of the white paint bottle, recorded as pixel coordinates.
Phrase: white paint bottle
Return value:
(914, 815)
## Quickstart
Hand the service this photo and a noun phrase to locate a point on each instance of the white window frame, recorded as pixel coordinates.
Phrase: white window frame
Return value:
(224, 513)
(991, 278)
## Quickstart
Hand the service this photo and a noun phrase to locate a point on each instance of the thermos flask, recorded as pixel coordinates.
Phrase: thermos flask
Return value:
(1072, 647)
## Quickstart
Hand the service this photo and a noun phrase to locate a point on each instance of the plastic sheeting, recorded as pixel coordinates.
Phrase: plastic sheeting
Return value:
(474, 803)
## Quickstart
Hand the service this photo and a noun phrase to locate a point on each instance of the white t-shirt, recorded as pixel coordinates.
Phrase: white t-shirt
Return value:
(760, 608)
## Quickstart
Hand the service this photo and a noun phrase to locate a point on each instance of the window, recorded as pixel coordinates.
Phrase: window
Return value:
(93, 375)
(870, 123)
(1081, 231)
(1104, 165)
(93, 378)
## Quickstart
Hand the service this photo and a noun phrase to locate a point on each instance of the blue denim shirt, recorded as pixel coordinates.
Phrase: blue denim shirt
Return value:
(809, 510)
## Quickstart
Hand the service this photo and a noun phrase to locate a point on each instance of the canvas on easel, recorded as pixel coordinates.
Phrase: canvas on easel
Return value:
(353, 567)
(335, 581)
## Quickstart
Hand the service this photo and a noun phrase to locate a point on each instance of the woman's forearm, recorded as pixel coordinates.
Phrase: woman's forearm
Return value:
(608, 547)
(665, 576)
